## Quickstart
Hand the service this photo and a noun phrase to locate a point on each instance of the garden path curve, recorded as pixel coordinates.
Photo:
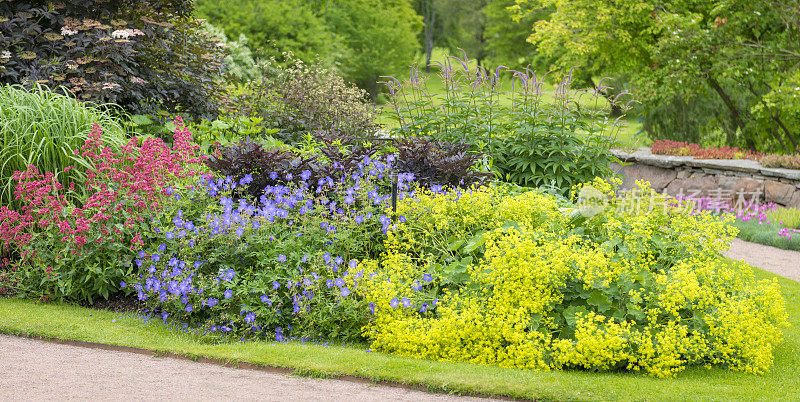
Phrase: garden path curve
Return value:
(38, 370)
(785, 263)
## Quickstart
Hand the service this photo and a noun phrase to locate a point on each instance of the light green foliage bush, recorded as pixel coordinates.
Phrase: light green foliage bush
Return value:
(533, 139)
(518, 281)
(788, 217)
(272, 26)
(240, 65)
(39, 127)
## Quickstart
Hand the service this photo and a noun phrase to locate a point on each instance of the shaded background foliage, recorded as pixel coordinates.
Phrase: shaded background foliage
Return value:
(740, 56)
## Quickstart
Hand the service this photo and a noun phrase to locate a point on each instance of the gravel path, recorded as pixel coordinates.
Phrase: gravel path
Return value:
(785, 263)
(38, 370)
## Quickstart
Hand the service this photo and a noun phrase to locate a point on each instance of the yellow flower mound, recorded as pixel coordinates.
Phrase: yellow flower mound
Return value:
(521, 280)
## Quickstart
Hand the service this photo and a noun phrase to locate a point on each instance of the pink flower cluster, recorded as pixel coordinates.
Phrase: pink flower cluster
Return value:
(756, 212)
(124, 189)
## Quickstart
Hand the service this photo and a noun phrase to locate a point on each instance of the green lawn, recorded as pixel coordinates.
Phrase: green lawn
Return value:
(76, 323)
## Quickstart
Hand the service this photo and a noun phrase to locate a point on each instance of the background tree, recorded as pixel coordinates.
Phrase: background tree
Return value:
(273, 26)
(506, 35)
(431, 26)
(731, 53)
(463, 24)
(379, 38)
(143, 55)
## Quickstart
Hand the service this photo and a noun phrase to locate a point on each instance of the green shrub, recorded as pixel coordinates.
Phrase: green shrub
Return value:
(272, 27)
(531, 140)
(240, 63)
(308, 98)
(44, 129)
(517, 280)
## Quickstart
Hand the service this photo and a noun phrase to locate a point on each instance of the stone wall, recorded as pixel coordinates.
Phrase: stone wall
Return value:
(714, 178)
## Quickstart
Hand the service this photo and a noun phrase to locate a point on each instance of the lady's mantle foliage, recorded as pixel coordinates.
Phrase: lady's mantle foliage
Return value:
(516, 281)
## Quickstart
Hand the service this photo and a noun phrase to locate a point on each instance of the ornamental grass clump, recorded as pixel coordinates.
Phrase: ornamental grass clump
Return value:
(518, 280)
(39, 127)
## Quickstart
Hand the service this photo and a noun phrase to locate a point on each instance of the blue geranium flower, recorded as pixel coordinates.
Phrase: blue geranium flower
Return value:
(250, 318)
(228, 293)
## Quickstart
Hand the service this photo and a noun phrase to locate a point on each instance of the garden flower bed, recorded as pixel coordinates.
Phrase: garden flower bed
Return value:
(494, 274)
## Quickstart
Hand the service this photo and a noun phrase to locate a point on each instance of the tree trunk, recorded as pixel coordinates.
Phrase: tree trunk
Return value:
(736, 115)
(429, 19)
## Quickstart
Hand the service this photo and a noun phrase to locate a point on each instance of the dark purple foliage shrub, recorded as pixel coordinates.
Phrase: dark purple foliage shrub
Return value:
(439, 162)
(145, 55)
(256, 167)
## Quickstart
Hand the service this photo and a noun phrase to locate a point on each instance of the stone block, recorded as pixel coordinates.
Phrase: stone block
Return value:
(659, 178)
(698, 185)
(741, 185)
(777, 192)
(794, 202)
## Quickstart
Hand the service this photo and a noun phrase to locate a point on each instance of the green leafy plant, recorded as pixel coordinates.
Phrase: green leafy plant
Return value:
(531, 141)
(41, 128)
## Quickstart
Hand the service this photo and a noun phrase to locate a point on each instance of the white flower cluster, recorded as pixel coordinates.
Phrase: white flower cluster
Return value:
(66, 31)
(126, 33)
(5, 54)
